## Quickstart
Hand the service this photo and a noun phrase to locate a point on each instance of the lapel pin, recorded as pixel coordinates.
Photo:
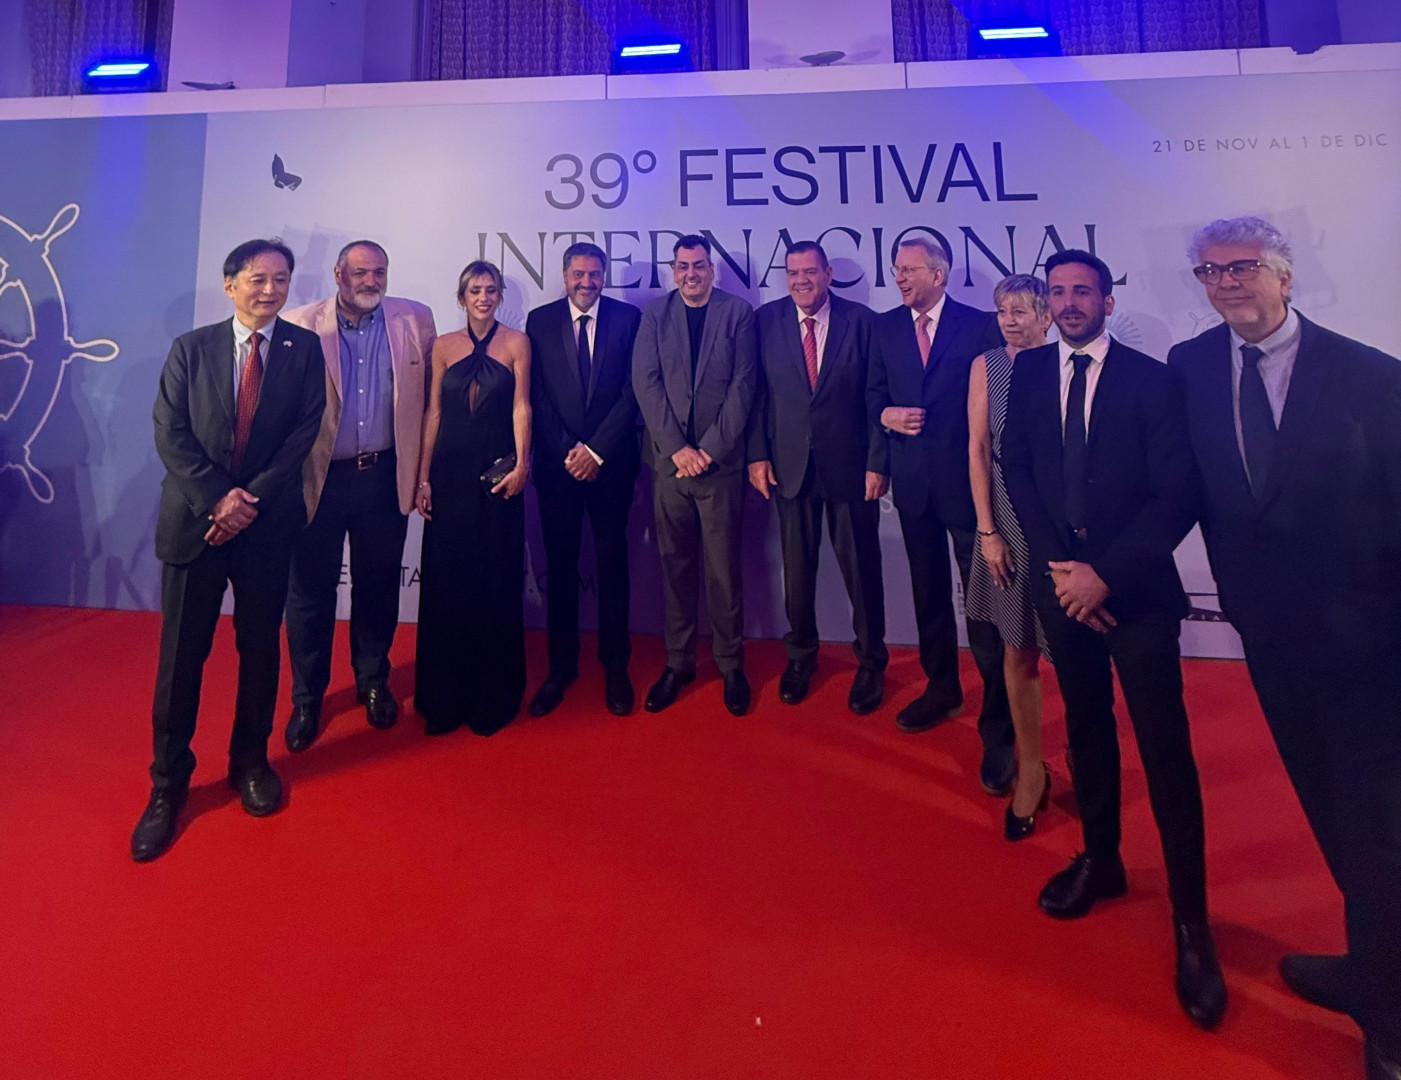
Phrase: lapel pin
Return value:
(286, 344)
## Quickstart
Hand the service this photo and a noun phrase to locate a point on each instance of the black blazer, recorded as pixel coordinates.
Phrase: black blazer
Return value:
(194, 416)
(561, 414)
(931, 467)
(1141, 498)
(1320, 553)
(723, 388)
(791, 421)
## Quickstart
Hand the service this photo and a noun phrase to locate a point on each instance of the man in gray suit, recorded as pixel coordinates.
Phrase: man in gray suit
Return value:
(694, 369)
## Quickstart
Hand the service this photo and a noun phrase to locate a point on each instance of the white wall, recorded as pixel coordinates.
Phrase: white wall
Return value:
(216, 41)
(780, 31)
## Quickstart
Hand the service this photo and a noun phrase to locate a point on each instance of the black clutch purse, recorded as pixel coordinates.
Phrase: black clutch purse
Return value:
(496, 472)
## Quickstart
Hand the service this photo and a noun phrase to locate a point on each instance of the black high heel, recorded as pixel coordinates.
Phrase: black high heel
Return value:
(1019, 828)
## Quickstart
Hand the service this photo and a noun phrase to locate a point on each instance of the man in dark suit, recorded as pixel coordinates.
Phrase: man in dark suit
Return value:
(236, 414)
(811, 441)
(1297, 431)
(585, 453)
(694, 368)
(919, 393)
(1100, 471)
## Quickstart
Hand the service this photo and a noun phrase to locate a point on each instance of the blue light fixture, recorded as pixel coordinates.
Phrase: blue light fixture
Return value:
(1014, 41)
(651, 55)
(120, 75)
(1014, 33)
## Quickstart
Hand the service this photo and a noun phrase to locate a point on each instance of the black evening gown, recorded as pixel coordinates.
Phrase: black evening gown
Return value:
(471, 625)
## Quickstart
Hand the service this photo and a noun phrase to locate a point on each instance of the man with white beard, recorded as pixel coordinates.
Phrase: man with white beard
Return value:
(359, 479)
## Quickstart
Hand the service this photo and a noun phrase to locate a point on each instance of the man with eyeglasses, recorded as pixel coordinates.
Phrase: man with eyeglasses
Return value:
(1297, 432)
(918, 392)
(694, 366)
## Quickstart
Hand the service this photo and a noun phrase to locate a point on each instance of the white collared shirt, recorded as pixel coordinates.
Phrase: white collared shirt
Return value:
(1097, 349)
(821, 321)
(575, 315)
(242, 335)
(934, 313)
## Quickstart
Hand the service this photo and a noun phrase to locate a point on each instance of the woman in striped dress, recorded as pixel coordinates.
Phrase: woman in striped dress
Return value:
(999, 586)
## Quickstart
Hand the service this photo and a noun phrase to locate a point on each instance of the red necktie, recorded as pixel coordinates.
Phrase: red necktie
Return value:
(810, 350)
(922, 332)
(249, 383)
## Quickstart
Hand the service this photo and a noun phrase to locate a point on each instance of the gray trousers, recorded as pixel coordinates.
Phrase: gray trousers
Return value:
(698, 530)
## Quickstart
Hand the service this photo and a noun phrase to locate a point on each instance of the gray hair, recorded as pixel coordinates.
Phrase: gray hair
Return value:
(1255, 232)
(1018, 284)
(933, 250)
(345, 251)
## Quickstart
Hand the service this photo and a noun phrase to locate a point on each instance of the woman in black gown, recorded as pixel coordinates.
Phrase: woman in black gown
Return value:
(471, 626)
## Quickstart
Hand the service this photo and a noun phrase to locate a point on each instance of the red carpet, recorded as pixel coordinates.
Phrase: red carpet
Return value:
(797, 894)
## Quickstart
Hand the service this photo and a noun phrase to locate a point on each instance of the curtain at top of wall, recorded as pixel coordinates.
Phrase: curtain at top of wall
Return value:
(940, 29)
(66, 36)
(481, 39)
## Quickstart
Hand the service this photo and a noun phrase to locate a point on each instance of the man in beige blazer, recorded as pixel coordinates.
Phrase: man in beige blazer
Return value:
(359, 479)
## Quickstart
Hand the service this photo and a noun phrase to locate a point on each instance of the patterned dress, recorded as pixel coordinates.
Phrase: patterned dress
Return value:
(1010, 608)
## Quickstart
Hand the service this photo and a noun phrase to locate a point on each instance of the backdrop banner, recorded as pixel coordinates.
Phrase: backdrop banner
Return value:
(112, 235)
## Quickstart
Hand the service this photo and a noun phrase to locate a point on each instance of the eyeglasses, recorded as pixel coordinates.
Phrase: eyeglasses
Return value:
(906, 271)
(1241, 270)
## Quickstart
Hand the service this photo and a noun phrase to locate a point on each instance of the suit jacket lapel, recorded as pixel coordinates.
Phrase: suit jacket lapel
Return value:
(329, 331)
(1049, 395)
(1220, 420)
(1107, 394)
(836, 334)
(1305, 388)
(708, 332)
(949, 319)
(395, 333)
(223, 366)
(571, 394)
(600, 349)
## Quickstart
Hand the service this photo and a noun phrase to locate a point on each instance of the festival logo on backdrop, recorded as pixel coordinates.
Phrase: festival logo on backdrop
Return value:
(42, 343)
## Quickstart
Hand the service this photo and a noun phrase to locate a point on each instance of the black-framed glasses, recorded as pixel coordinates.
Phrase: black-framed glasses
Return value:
(1241, 270)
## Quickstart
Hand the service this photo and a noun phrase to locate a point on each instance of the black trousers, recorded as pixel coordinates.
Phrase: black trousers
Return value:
(607, 502)
(932, 583)
(1145, 651)
(1340, 739)
(698, 530)
(854, 530)
(365, 504)
(190, 599)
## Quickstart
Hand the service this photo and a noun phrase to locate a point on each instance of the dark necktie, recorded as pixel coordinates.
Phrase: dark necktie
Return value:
(810, 351)
(1257, 419)
(249, 383)
(1073, 453)
(585, 360)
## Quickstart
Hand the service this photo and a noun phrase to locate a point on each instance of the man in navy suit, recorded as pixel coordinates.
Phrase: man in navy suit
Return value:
(1297, 431)
(237, 411)
(1100, 471)
(585, 451)
(918, 392)
(812, 444)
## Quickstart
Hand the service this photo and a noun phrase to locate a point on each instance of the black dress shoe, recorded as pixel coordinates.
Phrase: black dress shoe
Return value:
(925, 711)
(998, 771)
(1383, 1063)
(1326, 981)
(258, 787)
(1015, 827)
(381, 710)
(664, 690)
(550, 694)
(1200, 988)
(867, 690)
(617, 692)
(1072, 892)
(156, 829)
(303, 726)
(736, 692)
(793, 684)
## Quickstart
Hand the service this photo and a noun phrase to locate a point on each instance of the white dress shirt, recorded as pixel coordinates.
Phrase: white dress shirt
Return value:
(1097, 350)
(242, 335)
(933, 313)
(591, 328)
(821, 321)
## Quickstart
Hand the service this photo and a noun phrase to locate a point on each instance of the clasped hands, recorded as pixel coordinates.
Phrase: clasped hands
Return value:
(691, 462)
(581, 464)
(231, 515)
(1082, 593)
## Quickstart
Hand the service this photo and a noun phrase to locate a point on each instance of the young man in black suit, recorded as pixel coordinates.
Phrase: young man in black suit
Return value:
(812, 444)
(1297, 431)
(919, 393)
(236, 414)
(585, 454)
(1100, 471)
